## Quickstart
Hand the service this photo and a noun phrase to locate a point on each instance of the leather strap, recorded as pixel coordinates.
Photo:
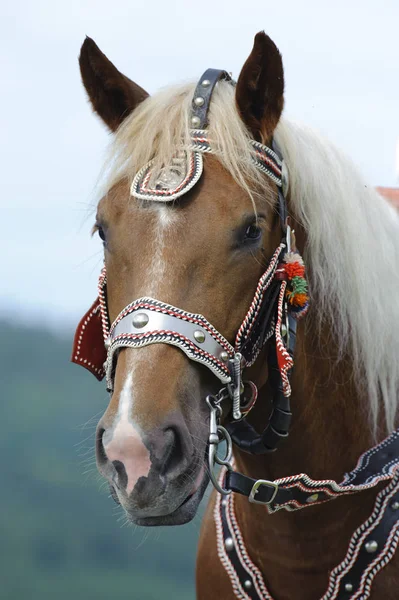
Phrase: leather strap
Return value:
(371, 547)
(380, 463)
(265, 492)
(244, 434)
(203, 94)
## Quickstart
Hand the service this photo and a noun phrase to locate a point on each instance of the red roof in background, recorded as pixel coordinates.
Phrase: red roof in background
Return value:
(391, 194)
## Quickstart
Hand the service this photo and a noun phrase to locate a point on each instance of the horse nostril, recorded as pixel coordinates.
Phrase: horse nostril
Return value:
(174, 453)
(121, 472)
(100, 451)
(114, 495)
(102, 458)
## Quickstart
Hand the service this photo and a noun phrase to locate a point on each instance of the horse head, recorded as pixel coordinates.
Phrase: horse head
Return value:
(203, 251)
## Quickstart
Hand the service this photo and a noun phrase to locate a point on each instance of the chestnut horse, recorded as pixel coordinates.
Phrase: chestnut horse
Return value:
(203, 227)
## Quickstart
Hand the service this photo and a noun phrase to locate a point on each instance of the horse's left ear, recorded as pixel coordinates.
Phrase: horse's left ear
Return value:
(260, 88)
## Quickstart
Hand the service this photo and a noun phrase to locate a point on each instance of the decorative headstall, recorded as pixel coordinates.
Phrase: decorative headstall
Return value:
(148, 321)
(280, 298)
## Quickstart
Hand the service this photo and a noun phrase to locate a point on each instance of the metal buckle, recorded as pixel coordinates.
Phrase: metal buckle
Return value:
(257, 485)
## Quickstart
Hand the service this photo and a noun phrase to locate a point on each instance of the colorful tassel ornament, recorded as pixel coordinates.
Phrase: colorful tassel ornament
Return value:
(297, 288)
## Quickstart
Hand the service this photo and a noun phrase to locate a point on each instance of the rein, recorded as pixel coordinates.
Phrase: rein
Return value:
(279, 300)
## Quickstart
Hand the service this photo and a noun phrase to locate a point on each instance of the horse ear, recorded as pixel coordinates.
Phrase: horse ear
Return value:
(112, 95)
(260, 88)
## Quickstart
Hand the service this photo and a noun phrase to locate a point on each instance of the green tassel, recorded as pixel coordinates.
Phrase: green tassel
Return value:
(298, 286)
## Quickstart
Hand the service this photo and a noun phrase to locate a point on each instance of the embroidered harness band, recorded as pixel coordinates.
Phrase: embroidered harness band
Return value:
(280, 299)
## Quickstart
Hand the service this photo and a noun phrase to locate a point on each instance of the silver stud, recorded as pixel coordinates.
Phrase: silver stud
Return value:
(140, 320)
(312, 498)
(395, 505)
(195, 121)
(224, 356)
(199, 101)
(371, 546)
(348, 587)
(229, 544)
(247, 584)
(107, 343)
(224, 502)
(199, 336)
(205, 83)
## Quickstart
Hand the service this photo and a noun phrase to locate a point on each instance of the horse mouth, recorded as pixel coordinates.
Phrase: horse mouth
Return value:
(184, 513)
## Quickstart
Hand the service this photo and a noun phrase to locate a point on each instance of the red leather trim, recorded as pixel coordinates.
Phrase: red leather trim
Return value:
(88, 345)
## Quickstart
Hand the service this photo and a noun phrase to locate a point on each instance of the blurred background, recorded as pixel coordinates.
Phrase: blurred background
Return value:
(60, 534)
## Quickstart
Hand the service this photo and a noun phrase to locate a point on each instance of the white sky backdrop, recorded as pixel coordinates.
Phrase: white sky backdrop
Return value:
(341, 69)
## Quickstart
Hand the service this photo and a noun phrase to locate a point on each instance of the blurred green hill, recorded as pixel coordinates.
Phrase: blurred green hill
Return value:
(61, 536)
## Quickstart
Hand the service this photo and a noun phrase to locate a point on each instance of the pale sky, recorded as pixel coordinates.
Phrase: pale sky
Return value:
(341, 72)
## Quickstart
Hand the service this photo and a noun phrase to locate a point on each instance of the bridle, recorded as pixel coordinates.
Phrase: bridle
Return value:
(271, 316)
(279, 300)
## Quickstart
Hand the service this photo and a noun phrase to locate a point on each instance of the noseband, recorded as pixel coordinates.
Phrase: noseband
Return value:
(280, 299)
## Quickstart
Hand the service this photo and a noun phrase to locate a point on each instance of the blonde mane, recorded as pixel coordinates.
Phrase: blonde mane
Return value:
(161, 123)
(353, 234)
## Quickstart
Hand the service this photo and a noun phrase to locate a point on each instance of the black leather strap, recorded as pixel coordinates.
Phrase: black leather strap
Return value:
(263, 323)
(242, 433)
(374, 551)
(380, 463)
(247, 582)
(265, 494)
(203, 94)
(371, 547)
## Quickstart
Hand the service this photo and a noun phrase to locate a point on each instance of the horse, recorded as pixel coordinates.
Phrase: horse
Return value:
(223, 223)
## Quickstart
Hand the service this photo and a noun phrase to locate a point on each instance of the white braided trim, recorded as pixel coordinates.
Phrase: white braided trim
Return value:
(378, 564)
(328, 486)
(337, 574)
(171, 338)
(238, 590)
(138, 191)
(356, 543)
(156, 305)
(364, 460)
(249, 566)
(280, 347)
(270, 163)
(267, 150)
(263, 284)
(223, 556)
(254, 573)
(102, 282)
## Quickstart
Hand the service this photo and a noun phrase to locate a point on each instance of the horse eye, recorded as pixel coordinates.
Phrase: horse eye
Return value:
(253, 232)
(101, 233)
